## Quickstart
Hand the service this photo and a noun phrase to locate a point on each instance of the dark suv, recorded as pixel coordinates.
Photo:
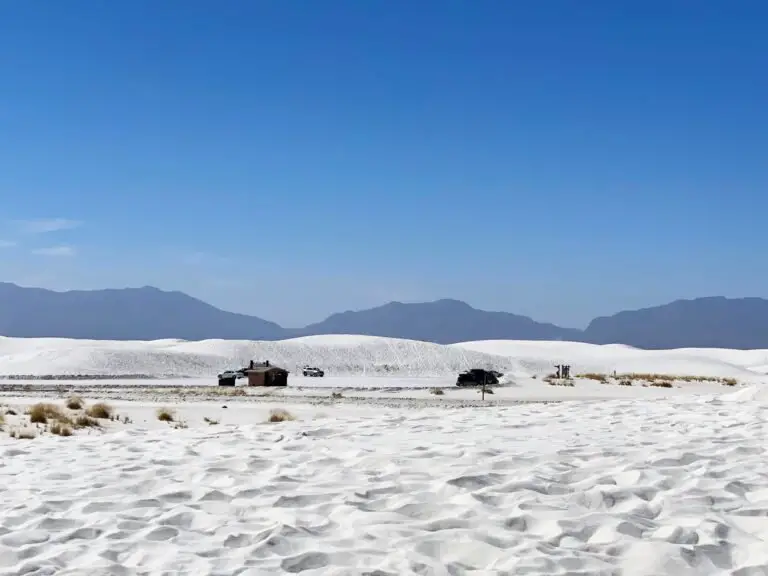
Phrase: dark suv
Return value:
(478, 376)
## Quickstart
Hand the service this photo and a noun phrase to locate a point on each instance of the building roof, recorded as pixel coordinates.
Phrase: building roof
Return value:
(264, 369)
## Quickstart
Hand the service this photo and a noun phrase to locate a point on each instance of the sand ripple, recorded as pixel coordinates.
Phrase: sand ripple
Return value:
(625, 488)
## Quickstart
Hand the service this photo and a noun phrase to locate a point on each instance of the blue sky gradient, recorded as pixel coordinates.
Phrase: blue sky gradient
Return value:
(559, 159)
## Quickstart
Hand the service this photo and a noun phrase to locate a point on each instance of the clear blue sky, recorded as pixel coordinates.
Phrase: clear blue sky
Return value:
(559, 159)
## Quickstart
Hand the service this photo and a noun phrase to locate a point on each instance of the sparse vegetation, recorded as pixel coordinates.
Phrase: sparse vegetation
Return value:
(61, 430)
(650, 378)
(100, 410)
(165, 415)
(210, 421)
(593, 376)
(75, 403)
(42, 412)
(662, 384)
(437, 391)
(555, 382)
(86, 422)
(337, 395)
(281, 415)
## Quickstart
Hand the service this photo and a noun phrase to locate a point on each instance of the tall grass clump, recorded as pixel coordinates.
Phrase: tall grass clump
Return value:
(165, 415)
(42, 412)
(61, 429)
(281, 415)
(75, 403)
(100, 410)
(84, 421)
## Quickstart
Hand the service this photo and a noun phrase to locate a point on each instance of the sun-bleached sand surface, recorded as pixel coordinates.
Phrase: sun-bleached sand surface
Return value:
(384, 467)
(628, 487)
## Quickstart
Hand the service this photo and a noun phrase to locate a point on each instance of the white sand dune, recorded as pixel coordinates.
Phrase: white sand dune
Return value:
(537, 357)
(634, 488)
(336, 354)
(361, 355)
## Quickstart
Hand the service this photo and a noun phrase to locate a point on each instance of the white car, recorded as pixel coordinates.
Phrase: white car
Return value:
(312, 372)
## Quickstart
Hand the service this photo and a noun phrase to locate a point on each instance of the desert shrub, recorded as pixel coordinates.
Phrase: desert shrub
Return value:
(729, 381)
(281, 415)
(86, 422)
(337, 395)
(593, 376)
(662, 384)
(61, 429)
(568, 383)
(100, 410)
(625, 382)
(10, 412)
(210, 421)
(75, 403)
(437, 391)
(42, 412)
(165, 415)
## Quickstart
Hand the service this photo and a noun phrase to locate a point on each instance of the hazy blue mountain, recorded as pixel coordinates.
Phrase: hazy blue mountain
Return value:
(713, 322)
(148, 313)
(125, 314)
(443, 321)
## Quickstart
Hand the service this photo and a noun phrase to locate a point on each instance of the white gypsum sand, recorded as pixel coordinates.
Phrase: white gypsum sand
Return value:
(374, 473)
(364, 356)
(615, 487)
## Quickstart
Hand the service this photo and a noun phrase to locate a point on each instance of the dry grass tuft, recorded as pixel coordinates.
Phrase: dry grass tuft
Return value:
(729, 381)
(554, 382)
(61, 430)
(86, 422)
(281, 415)
(662, 384)
(2, 419)
(594, 376)
(337, 395)
(625, 382)
(100, 410)
(165, 415)
(42, 412)
(437, 391)
(74, 403)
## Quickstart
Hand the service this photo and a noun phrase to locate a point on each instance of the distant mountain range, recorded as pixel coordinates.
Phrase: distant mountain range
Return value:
(150, 314)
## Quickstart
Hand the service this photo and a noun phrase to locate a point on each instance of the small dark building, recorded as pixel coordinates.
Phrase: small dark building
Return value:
(267, 376)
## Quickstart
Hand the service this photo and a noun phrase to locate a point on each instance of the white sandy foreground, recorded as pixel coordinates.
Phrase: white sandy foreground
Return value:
(631, 487)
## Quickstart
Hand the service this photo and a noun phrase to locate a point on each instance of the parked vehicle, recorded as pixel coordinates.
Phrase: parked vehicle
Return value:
(312, 372)
(478, 377)
(230, 377)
